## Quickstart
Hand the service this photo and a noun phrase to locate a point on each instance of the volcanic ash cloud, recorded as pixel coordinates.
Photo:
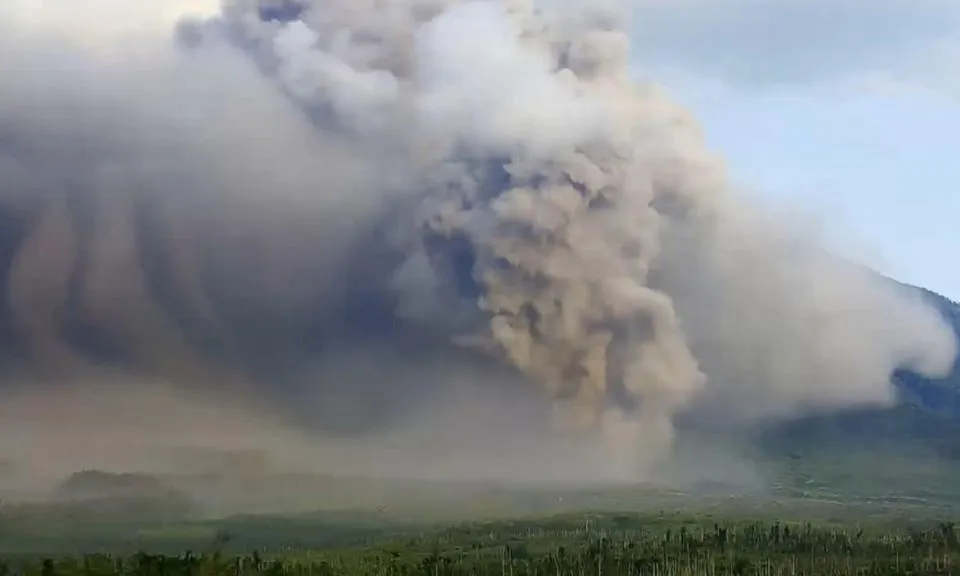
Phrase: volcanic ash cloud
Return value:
(536, 201)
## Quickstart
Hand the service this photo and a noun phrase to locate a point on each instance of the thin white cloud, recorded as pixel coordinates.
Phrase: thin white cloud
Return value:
(934, 71)
(769, 43)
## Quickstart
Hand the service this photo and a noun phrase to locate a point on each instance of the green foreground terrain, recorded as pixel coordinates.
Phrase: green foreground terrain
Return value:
(847, 498)
(454, 528)
(580, 544)
(869, 493)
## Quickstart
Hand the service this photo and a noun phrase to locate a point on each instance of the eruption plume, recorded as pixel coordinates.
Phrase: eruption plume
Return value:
(225, 205)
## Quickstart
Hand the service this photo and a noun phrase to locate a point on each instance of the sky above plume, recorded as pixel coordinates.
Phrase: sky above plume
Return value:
(849, 109)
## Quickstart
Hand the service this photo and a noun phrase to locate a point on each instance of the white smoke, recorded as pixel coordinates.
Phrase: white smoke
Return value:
(612, 263)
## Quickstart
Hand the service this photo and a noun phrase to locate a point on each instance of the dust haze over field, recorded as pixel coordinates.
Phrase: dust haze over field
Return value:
(422, 238)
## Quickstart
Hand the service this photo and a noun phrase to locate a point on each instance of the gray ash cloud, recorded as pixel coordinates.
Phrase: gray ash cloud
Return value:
(340, 206)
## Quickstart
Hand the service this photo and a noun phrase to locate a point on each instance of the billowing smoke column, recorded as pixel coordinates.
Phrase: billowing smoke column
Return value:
(483, 174)
(539, 202)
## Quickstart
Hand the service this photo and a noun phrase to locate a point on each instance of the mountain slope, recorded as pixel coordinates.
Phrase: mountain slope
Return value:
(940, 395)
(924, 423)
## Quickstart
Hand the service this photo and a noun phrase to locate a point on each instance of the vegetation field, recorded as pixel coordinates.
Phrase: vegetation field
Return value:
(846, 510)
(578, 544)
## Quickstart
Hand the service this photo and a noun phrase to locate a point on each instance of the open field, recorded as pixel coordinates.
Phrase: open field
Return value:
(827, 502)
(841, 511)
(664, 543)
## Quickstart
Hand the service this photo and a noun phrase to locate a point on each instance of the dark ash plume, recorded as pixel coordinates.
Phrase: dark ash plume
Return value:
(273, 199)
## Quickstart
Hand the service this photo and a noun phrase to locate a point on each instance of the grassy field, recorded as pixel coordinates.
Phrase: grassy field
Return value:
(840, 512)
(579, 544)
(348, 510)
(437, 528)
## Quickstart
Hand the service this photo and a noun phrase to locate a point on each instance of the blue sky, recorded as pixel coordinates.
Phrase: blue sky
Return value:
(846, 109)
